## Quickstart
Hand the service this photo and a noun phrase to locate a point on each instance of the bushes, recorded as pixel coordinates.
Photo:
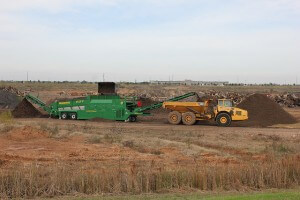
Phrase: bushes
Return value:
(6, 117)
(7, 121)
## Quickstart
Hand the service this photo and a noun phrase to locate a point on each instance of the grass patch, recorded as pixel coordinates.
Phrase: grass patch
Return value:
(140, 148)
(6, 128)
(278, 147)
(279, 195)
(95, 139)
(52, 130)
(112, 138)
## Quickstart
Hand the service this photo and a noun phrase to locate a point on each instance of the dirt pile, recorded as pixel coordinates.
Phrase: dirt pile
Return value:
(26, 133)
(26, 110)
(263, 112)
(290, 100)
(8, 100)
(161, 93)
(11, 90)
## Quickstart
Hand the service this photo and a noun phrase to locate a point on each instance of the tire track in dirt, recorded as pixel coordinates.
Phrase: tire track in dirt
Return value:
(181, 144)
(220, 150)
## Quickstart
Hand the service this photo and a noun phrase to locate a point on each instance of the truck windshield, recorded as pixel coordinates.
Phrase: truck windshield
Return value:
(225, 103)
(221, 103)
(228, 103)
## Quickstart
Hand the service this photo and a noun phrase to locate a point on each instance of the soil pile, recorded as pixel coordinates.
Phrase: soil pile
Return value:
(26, 110)
(264, 112)
(8, 100)
(26, 133)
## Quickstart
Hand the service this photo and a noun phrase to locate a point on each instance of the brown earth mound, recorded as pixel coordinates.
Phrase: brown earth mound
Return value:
(264, 112)
(26, 110)
(26, 133)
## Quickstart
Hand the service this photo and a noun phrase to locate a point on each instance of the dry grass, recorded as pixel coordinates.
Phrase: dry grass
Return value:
(6, 128)
(94, 139)
(53, 130)
(41, 181)
(6, 117)
(6, 122)
(140, 147)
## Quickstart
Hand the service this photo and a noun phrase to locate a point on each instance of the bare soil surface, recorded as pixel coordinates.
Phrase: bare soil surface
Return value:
(157, 144)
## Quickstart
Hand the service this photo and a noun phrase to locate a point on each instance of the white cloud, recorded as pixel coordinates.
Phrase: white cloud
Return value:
(290, 5)
(61, 5)
(52, 6)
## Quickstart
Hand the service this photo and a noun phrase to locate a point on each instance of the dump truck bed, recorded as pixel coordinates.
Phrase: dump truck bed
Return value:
(182, 107)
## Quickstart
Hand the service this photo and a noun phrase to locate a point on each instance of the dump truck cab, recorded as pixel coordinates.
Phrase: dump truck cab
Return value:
(225, 112)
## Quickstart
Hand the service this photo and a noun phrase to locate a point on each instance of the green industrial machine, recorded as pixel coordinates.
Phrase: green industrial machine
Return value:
(109, 106)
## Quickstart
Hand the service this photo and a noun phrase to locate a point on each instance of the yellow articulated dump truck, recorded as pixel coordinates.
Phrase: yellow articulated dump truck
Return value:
(223, 112)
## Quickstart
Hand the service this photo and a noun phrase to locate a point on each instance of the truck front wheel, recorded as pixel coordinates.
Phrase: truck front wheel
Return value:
(223, 119)
(64, 115)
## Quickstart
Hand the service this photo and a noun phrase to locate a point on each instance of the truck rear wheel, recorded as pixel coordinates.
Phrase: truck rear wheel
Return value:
(132, 119)
(73, 116)
(223, 119)
(174, 117)
(189, 118)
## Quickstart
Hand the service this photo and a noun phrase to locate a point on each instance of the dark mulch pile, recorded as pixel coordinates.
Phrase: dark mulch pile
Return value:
(264, 112)
(26, 110)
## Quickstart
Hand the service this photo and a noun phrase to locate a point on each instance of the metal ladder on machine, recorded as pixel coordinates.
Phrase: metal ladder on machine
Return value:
(158, 105)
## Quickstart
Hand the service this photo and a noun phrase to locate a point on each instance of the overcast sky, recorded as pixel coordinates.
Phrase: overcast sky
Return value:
(252, 41)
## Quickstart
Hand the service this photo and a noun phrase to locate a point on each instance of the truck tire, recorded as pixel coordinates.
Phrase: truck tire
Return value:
(64, 116)
(174, 117)
(223, 119)
(73, 116)
(188, 118)
(132, 119)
